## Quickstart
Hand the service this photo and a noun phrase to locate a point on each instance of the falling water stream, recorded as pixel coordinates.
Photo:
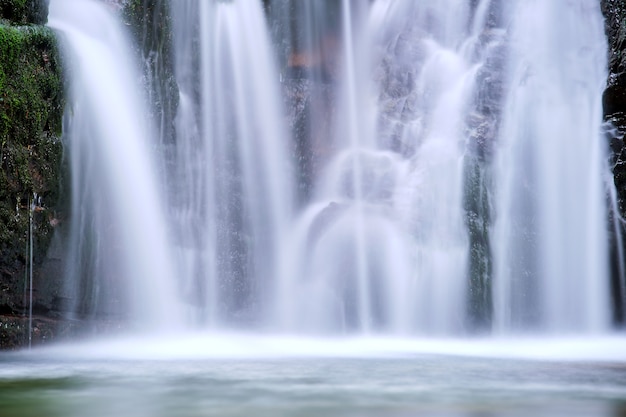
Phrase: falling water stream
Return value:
(393, 168)
(234, 200)
(378, 208)
(118, 232)
(551, 232)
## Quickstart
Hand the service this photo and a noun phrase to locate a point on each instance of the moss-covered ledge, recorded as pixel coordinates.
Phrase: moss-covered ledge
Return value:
(21, 12)
(31, 112)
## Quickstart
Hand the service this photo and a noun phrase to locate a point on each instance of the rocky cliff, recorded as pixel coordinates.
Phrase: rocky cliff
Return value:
(31, 159)
(614, 99)
(614, 102)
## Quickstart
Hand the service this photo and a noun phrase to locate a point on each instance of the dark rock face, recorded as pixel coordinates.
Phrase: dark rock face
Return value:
(21, 12)
(614, 102)
(482, 127)
(614, 99)
(310, 106)
(14, 330)
(150, 24)
(31, 159)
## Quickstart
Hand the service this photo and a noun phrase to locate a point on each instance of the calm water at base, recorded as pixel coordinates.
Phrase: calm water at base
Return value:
(46, 383)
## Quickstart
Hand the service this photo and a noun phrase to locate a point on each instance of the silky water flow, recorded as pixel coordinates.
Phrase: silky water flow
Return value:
(120, 260)
(402, 174)
(403, 168)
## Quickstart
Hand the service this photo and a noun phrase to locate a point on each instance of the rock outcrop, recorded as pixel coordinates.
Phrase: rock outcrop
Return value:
(614, 102)
(614, 99)
(31, 161)
(24, 12)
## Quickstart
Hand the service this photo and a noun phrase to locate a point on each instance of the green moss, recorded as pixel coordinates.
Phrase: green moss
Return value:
(31, 90)
(31, 110)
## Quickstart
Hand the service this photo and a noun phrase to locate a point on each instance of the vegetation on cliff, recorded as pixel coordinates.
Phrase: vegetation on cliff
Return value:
(31, 111)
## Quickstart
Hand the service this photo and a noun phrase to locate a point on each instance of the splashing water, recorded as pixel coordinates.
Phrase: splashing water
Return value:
(444, 173)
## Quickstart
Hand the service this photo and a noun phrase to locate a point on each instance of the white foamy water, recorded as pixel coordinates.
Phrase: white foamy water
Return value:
(449, 152)
(120, 256)
(550, 238)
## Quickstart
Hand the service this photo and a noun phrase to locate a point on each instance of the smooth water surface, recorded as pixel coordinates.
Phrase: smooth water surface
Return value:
(356, 380)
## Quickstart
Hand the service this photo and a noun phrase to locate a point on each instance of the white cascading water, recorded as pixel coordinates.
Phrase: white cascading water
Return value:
(446, 176)
(119, 254)
(382, 245)
(550, 244)
(236, 173)
(389, 253)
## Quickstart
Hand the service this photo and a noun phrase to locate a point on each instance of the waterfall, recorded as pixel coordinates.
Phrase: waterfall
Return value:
(395, 167)
(119, 254)
(235, 190)
(489, 146)
(550, 232)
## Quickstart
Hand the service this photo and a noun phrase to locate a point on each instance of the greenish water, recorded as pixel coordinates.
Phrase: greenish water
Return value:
(45, 383)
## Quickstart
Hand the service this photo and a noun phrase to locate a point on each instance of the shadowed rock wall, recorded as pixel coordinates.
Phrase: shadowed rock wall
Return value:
(31, 161)
(614, 102)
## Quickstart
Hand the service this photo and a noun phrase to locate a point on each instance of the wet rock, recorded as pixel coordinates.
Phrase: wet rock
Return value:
(614, 98)
(614, 103)
(477, 203)
(483, 123)
(482, 127)
(31, 161)
(150, 24)
(401, 98)
(310, 116)
(22, 12)
(14, 330)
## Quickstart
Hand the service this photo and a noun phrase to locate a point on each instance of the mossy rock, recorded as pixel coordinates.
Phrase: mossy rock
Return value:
(22, 12)
(31, 153)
